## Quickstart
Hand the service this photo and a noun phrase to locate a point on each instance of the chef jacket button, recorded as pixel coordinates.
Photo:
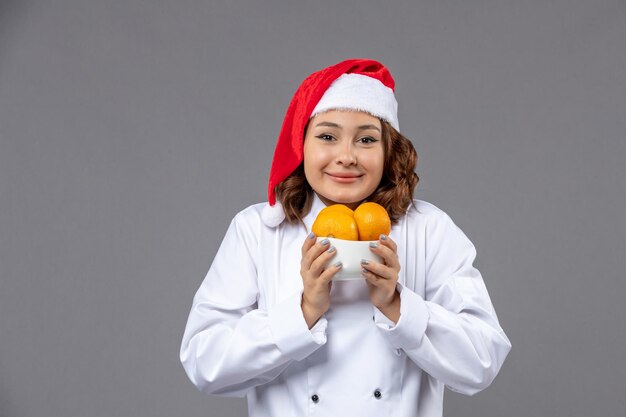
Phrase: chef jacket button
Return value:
(315, 398)
(377, 394)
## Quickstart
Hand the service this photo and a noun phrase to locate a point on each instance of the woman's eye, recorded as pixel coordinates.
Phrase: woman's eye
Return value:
(325, 137)
(368, 140)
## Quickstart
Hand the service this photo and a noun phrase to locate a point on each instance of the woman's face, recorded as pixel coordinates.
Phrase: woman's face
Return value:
(343, 156)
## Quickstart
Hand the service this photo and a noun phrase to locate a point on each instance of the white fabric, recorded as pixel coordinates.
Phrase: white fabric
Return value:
(363, 93)
(246, 334)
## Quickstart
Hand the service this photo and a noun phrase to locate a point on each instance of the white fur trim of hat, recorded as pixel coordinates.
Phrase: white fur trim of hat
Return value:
(361, 93)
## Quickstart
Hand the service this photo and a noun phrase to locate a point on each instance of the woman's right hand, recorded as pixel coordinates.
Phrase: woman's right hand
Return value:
(316, 278)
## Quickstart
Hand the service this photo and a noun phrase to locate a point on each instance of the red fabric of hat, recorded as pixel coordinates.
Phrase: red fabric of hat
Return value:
(289, 148)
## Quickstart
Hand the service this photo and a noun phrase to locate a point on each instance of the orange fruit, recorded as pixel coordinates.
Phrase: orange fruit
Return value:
(335, 223)
(372, 221)
(338, 207)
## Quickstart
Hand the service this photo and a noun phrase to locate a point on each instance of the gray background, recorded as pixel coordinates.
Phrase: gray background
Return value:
(132, 131)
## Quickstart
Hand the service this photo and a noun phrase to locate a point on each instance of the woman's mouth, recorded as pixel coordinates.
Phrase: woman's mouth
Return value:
(343, 178)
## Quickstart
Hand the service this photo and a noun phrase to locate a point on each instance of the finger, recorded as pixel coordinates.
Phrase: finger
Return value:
(319, 264)
(330, 272)
(314, 252)
(385, 240)
(378, 269)
(376, 283)
(390, 257)
(372, 279)
(308, 243)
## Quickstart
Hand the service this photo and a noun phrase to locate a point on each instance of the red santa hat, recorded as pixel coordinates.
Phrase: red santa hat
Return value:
(355, 84)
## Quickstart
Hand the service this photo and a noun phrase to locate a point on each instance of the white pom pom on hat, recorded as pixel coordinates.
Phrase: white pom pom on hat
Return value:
(274, 215)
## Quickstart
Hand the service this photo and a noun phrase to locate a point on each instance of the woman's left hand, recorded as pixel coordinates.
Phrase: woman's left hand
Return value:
(382, 277)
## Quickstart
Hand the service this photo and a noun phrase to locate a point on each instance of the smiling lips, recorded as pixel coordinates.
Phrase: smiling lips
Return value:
(344, 178)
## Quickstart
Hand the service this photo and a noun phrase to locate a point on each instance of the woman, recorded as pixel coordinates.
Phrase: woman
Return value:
(269, 323)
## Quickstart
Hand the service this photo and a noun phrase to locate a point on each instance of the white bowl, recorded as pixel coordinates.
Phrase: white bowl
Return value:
(350, 253)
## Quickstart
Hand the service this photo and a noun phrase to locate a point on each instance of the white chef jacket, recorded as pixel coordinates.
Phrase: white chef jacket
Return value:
(246, 334)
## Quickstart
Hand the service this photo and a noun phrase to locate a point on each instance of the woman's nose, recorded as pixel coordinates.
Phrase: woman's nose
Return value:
(347, 154)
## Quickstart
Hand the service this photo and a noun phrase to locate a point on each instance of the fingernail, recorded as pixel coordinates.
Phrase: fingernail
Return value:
(373, 244)
(331, 249)
(311, 235)
(365, 271)
(339, 264)
(383, 237)
(325, 242)
(364, 261)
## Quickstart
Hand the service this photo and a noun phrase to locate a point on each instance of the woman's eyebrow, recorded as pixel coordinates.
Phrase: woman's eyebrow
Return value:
(368, 127)
(362, 127)
(328, 124)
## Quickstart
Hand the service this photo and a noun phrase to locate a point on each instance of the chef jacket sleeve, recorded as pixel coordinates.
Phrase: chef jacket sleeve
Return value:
(453, 332)
(229, 344)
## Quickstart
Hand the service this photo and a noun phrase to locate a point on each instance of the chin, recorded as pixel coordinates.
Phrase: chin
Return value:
(347, 200)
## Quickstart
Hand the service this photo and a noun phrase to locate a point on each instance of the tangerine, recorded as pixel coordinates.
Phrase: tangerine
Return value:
(372, 221)
(338, 207)
(335, 223)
